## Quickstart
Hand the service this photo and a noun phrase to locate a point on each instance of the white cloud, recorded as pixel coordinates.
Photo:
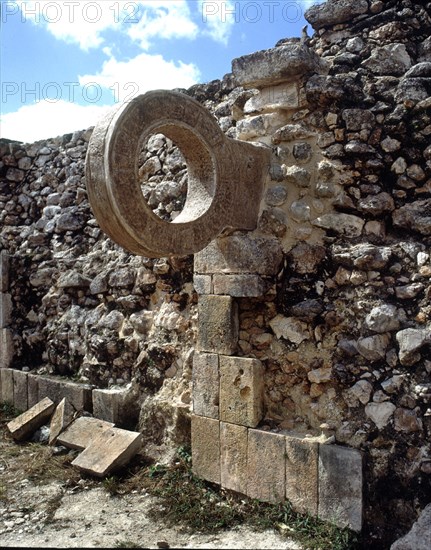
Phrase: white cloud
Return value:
(47, 119)
(162, 19)
(85, 22)
(144, 72)
(218, 17)
(75, 22)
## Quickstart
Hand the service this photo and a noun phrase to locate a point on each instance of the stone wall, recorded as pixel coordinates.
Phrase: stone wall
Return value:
(331, 291)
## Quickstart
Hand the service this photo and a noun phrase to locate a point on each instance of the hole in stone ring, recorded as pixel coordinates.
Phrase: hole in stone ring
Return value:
(176, 173)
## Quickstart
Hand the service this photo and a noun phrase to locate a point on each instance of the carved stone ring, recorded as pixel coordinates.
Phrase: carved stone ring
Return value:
(225, 176)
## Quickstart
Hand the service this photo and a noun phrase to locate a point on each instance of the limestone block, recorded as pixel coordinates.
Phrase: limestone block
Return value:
(233, 457)
(108, 451)
(20, 397)
(419, 536)
(78, 395)
(62, 417)
(340, 486)
(4, 271)
(6, 348)
(206, 383)
(80, 433)
(118, 405)
(283, 96)
(332, 13)
(32, 389)
(206, 448)
(5, 309)
(239, 286)
(302, 481)
(240, 254)
(241, 390)
(270, 67)
(29, 421)
(49, 387)
(217, 324)
(6, 386)
(266, 470)
(203, 284)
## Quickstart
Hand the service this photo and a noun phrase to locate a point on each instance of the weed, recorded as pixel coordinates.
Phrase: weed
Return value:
(112, 485)
(126, 544)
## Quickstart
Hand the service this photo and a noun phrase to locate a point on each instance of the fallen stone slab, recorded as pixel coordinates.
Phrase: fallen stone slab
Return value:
(29, 421)
(108, 450)
(63, 416)
(82, 431)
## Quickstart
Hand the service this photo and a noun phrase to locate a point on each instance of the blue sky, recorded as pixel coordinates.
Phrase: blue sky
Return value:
(64, 62)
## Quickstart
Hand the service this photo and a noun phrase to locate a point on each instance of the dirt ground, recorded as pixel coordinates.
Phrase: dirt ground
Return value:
(46, 503)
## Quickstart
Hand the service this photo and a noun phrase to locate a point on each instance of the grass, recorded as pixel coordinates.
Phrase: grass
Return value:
(182, 498)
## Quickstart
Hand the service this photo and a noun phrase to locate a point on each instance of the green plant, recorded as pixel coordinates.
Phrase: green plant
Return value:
(112, 485)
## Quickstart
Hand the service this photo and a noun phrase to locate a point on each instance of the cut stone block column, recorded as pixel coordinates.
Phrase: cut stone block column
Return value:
(266, 468)
(206, 448)
(302, 480)
(241, 390)
(240, 254)
(6, 348)
(340, 486)
(20, 394)
(206, 382)
(233, 457)
(239, 286)
(217, 324)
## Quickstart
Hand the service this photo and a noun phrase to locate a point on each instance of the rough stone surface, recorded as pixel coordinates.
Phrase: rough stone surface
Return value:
(233, 457)
(302, 474)
(206, 448)
(218, 324)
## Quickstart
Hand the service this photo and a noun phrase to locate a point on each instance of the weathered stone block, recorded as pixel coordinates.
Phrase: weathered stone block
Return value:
(20, 395)
(51, 388)
(6, 386)
(32, 389)
(283, 96)
(5, 309)
(29, 421)
(240, 254)
(206, 384)
(62, 417)
(78, 395)
(118, 405)
(266, 468)
(233, 457)
(6, 348)
(239, 286)
(4, 271)
(206, 448)
(203, 284)
(241, 390)
(217, 324)
(108, 451)
(270, 67)
(340, 486)
(81, 432)
(302, 481)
